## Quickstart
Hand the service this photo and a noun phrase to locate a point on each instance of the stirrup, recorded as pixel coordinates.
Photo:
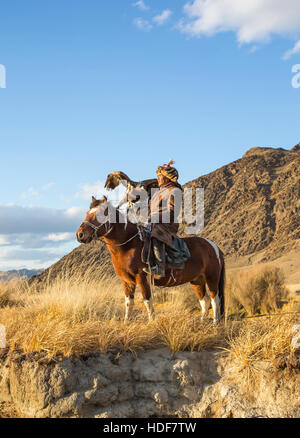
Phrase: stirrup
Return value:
(151, 270)
(156, 270)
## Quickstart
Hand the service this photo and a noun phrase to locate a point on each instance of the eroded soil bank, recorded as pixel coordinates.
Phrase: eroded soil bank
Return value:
(153, 383)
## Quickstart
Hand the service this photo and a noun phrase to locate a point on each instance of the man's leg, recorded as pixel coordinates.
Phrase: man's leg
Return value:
(159, 252)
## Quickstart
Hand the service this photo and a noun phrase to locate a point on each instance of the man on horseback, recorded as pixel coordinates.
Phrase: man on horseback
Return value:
(172, 260)
(165, 209)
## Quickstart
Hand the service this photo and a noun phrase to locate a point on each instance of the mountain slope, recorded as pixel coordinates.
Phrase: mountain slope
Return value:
(254, 203)
(16, 274)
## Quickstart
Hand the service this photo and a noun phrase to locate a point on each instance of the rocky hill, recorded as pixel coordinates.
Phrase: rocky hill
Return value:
(251, 204)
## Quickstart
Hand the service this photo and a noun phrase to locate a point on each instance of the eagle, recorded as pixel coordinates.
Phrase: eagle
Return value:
(115, 178)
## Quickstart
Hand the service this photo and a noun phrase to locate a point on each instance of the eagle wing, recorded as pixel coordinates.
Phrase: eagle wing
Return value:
(114, 179)
(149, 184)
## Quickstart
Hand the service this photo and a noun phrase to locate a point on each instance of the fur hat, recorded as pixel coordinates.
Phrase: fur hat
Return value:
(168, 171)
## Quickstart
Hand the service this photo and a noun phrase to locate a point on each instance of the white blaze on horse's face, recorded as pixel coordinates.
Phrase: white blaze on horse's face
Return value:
(93, 210)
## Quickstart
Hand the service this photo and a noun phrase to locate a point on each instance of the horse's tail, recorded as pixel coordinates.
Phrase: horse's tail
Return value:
(221, 290)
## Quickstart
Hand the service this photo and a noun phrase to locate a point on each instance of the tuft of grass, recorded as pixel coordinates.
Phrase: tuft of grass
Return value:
(260, 339)
(181, 330)
(11, 292)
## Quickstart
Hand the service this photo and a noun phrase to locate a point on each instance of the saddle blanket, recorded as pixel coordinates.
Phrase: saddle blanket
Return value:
(175, 255)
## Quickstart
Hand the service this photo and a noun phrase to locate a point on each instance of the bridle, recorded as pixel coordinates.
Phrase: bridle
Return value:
(97, 228)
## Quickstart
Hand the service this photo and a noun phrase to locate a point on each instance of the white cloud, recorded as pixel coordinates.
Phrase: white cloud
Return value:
(35, 237)
(3, 240)
(252, 20)
(142, 24)
(38, 240)
(59, 237)
(17, 220)
(48, 186)
(294, 51)
(17, 258)
(163, 17)
(87, 190)
(141, 5)
(29, 193)
(34, 250)
(74, 212)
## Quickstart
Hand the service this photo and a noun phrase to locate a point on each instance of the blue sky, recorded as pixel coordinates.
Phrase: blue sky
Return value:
(97, 86)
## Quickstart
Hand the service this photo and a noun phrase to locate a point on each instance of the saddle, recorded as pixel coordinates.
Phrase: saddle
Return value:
(176, 255)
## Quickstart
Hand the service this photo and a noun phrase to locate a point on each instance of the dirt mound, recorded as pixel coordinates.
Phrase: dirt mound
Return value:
(157, 383)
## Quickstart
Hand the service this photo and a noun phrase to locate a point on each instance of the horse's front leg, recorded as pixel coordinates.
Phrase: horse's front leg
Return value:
(146, 292)
(129, 290)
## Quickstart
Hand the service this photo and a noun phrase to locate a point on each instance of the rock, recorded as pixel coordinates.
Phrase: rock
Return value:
(155, 383)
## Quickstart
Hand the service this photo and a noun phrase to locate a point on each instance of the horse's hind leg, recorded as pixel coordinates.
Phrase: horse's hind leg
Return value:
(129, 290)
(200, 292)
(214, 297)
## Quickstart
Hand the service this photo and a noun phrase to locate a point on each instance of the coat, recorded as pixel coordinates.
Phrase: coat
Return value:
(162, 204)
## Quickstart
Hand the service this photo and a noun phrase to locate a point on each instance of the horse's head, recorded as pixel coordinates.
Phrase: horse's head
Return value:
(94, 224)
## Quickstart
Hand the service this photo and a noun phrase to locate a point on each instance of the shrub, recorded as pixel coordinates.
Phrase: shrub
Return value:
(255, 292)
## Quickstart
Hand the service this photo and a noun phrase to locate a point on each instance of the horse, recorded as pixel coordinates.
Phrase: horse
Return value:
(206, 266)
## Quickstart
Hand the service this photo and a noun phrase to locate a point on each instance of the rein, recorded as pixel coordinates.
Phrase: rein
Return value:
(96, 228)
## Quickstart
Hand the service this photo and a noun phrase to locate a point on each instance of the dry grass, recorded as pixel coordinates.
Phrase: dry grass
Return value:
(76, 315)
(256, 292)
(11, 292)
(259, 342)
(8, 410)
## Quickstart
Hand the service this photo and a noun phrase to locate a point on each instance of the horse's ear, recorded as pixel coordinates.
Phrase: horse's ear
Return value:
(94, 199)
(104, 199)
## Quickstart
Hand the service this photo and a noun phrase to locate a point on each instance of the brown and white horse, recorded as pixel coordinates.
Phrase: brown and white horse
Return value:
(205, 266)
